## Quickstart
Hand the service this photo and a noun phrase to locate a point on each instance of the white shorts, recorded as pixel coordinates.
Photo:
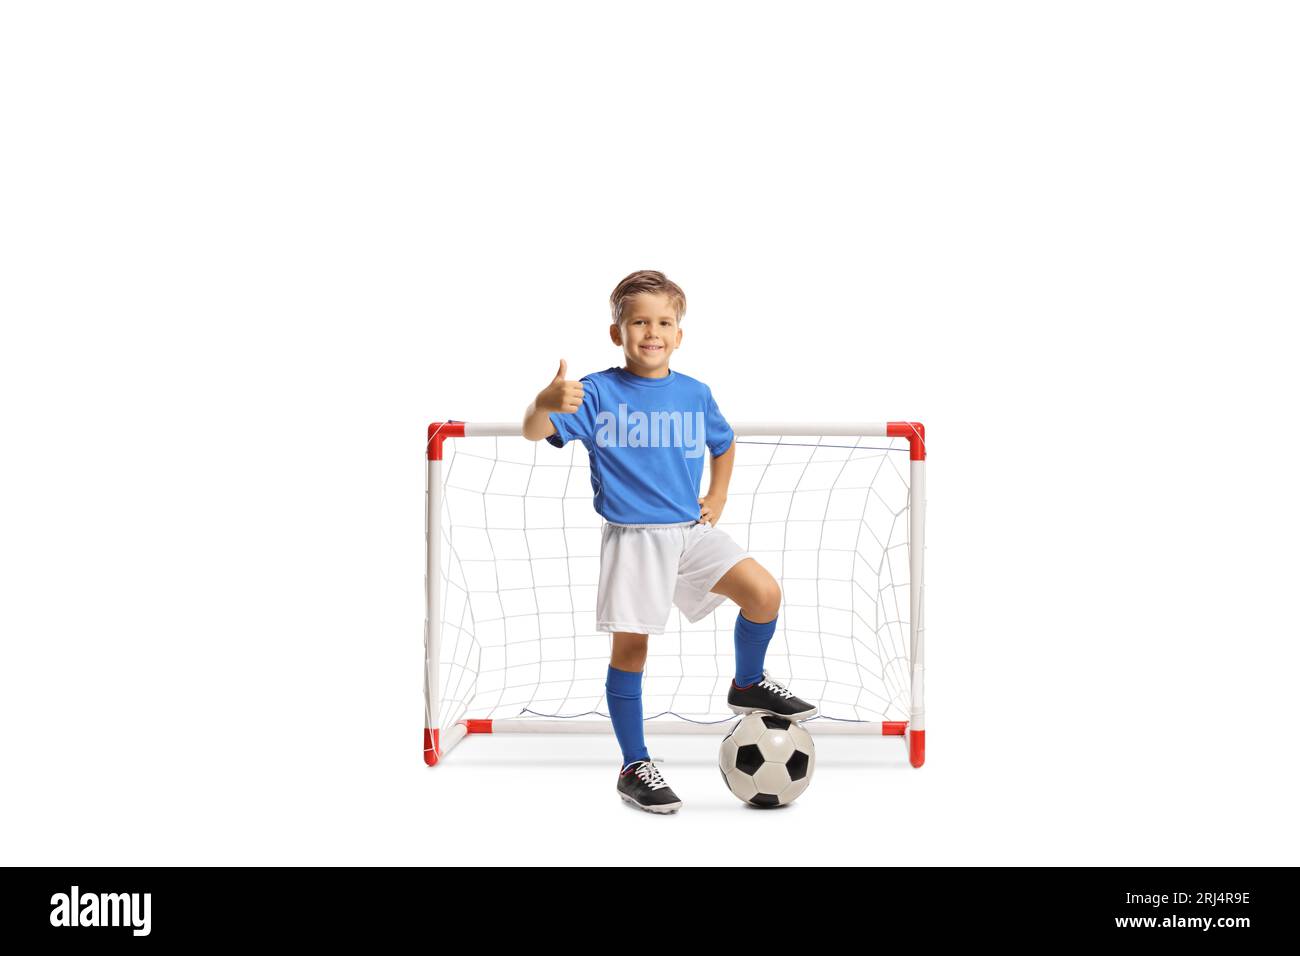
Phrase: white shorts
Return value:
(644, 570)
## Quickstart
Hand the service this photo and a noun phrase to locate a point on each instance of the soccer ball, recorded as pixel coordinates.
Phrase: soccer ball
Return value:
(767, 760)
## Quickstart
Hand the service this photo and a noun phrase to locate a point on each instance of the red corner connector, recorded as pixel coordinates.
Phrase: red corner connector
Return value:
(916, 747)
(440, 430)
(473, 726)
(914, 432)
(430, 746)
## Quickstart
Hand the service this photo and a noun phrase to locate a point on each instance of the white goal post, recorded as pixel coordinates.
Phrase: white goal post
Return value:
(835, 511)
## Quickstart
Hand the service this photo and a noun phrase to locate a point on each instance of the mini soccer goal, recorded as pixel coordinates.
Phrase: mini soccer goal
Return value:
(836, 513)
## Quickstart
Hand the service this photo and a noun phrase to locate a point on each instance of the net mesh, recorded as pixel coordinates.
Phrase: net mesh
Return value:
(520, 561)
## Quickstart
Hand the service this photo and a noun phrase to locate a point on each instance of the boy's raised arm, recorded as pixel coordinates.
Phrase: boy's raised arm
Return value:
(559, 396)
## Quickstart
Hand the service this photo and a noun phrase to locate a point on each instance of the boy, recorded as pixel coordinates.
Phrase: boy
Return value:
(646, 429)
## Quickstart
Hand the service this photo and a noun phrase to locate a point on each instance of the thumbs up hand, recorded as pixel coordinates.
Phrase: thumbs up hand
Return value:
(561, 395)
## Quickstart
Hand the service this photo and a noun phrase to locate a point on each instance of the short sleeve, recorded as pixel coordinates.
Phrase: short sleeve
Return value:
(718, 433)
(580, 424)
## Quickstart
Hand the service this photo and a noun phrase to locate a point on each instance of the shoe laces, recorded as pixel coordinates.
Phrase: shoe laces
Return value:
(774, 686)
(650, 775)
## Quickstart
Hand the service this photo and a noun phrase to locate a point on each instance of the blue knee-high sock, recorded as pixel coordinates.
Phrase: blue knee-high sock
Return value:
(751, 647)
(623, 693)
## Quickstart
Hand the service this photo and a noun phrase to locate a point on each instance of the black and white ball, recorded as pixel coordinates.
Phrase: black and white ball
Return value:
(767, 760)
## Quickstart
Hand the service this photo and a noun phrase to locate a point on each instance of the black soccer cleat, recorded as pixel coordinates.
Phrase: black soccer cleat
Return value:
(768, 697)
(642, 785)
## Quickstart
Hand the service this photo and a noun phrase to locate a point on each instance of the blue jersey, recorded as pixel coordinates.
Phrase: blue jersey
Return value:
(647, 439)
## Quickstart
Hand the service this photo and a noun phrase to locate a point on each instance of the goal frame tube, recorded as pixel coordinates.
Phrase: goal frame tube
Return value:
(437, 745)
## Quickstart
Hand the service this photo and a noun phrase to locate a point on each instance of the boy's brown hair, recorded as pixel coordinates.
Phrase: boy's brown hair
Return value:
(647, 280)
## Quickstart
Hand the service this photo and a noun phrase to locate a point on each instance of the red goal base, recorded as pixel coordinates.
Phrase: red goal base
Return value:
(434, 750)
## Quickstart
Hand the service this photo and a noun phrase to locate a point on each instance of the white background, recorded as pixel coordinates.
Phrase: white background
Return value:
(249, 250)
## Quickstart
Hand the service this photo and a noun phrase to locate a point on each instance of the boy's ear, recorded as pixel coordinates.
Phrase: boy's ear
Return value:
(616, 334)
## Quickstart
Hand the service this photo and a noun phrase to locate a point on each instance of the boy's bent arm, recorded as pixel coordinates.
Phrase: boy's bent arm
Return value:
(720, 466)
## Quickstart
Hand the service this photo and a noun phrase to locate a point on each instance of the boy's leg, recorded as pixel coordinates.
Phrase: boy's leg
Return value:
(757, 593)
(623, 694)
(759, 596)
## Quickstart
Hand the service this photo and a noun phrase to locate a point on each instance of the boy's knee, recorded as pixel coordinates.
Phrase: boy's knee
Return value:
(629, 651)
(768, 598)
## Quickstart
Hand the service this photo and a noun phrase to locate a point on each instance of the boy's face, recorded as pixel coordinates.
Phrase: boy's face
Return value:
(649, 333)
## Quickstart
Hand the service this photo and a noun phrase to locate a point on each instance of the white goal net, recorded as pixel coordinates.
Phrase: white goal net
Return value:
(513, 541)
